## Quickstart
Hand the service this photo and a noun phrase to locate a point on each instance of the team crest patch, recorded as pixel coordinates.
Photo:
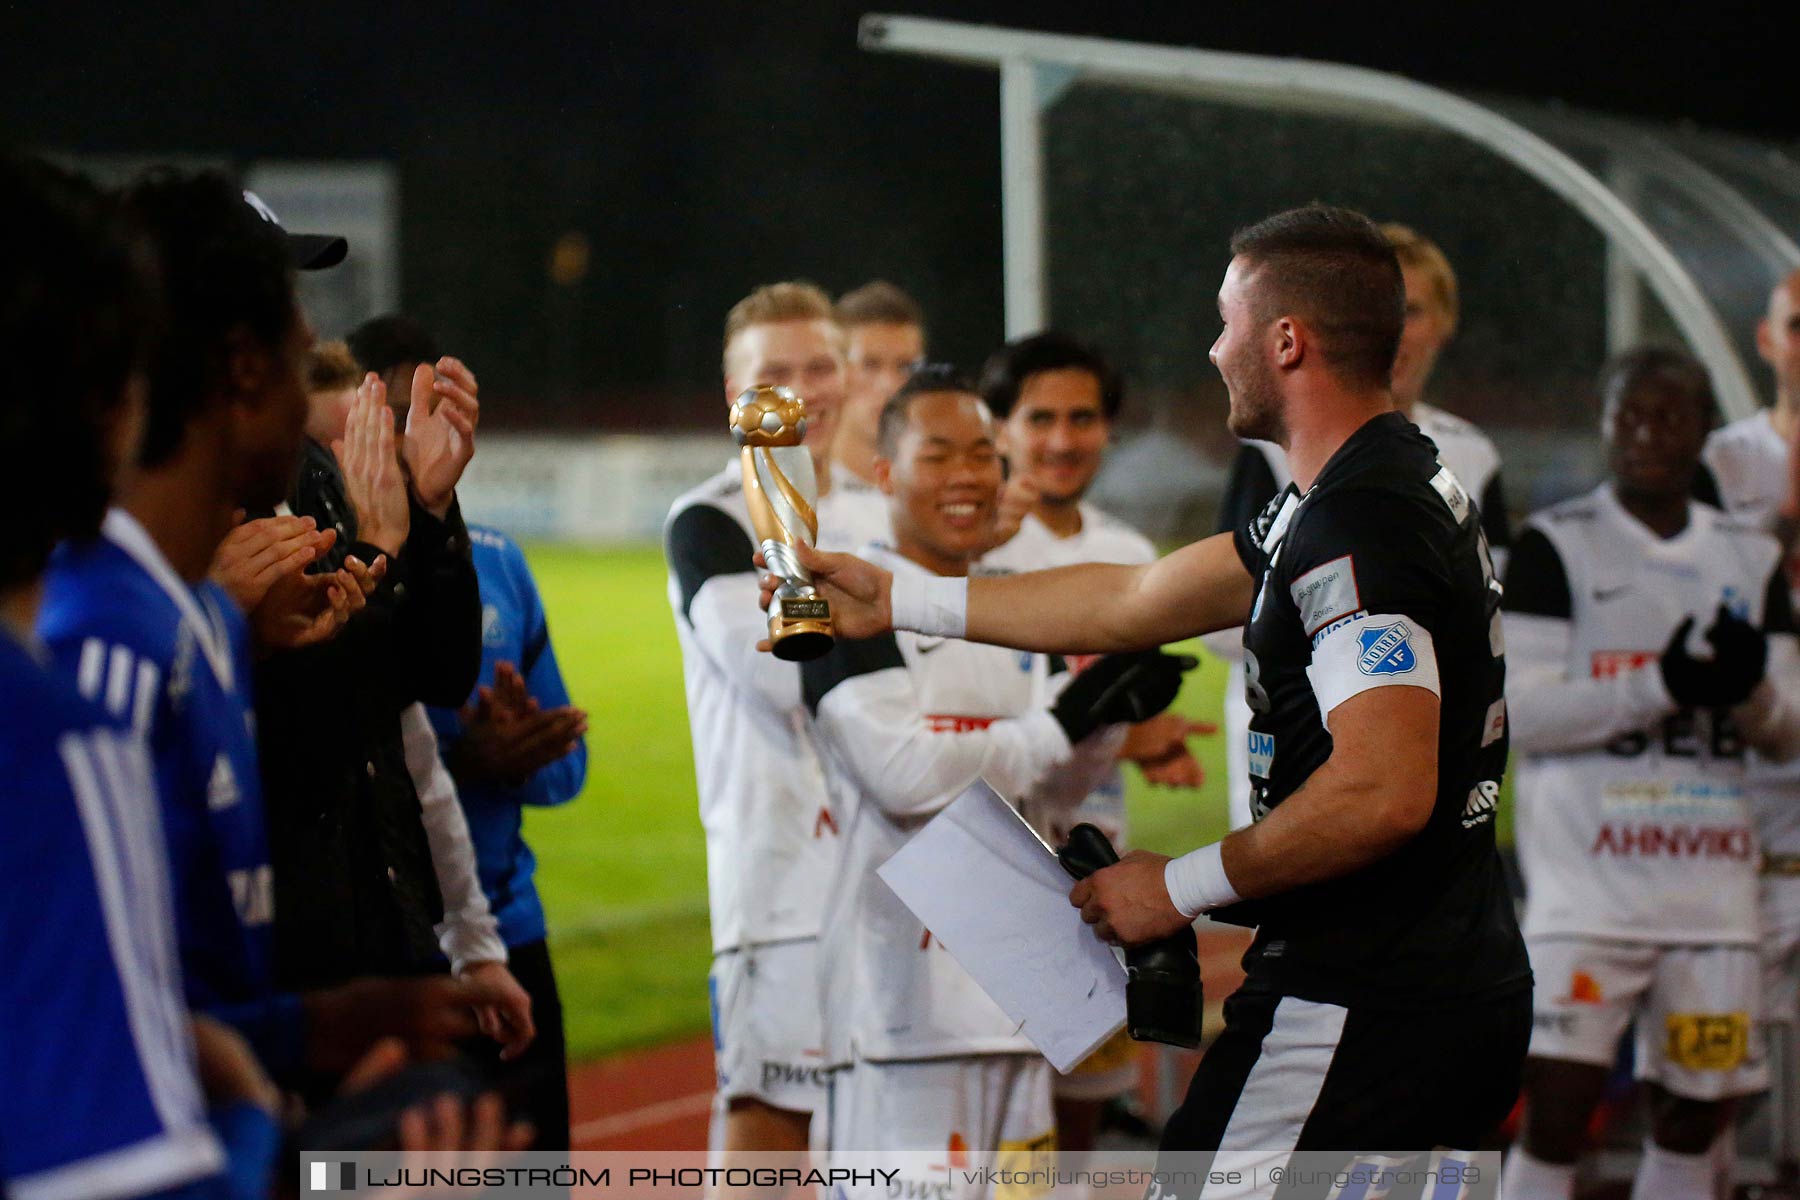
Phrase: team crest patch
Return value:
(1386, 650)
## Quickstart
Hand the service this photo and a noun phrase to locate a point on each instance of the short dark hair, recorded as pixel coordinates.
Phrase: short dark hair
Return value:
(382, 343)
(1333, 269)
(1673, 369)
(928, 379)
(224, 268)
(878, 302)
(1011, 365)
(78, 314)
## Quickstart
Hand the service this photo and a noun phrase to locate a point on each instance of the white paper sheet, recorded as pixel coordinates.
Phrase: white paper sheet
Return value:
(993, 893)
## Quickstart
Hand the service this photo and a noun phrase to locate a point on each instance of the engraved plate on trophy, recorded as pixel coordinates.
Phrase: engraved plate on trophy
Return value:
(782, 493)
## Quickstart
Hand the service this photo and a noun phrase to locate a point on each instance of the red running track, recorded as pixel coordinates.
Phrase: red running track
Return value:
(659, 1099)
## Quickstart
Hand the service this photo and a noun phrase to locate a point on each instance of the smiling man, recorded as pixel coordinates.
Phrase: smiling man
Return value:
(1387, 1004)
(922, 1059)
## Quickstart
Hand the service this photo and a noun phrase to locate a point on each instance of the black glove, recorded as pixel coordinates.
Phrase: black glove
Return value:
(1163, 997)
(1740, 657)
(1120, 688)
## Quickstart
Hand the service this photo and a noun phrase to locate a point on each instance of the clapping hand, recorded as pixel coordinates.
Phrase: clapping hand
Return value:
(257, 553)
(373, 479)
(440, 431)
(508, 736)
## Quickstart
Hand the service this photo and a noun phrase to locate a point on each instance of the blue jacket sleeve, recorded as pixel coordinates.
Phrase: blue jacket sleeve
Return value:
(560, 781)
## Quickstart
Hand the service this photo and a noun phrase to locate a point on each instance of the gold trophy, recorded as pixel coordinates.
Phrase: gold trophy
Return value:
(781, 490)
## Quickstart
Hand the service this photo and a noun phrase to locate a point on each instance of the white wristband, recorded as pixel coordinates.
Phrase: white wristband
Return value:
(1197, 881)
(934, 605)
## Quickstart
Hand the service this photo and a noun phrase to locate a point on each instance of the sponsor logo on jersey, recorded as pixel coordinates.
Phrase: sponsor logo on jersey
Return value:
(1029, 1163)
(1707, 1041)
(1326, 594)
(952, 723)
(1672, 841)
(792, 1074)
(1262, 753)
(1386, 650)
(1583, 989)
(824, 823)
(1479, 808)
(1451, 490)
(1608, 664)
(1495, 725)
(493, 629)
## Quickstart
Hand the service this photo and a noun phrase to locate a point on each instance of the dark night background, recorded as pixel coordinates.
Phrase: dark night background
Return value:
(706, 147)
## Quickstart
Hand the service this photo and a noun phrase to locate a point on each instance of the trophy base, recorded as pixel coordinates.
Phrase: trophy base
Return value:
(799, 641)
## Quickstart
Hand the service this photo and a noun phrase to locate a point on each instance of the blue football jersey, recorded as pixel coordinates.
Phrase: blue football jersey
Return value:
(171, 662)
(98, 1091)
(513, 629)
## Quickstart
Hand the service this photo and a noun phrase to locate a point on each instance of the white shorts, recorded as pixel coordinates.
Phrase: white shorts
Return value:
(1696, 1009)
(1780, 895)
(1110, 1071)
(936, 1114)
(767, 1040)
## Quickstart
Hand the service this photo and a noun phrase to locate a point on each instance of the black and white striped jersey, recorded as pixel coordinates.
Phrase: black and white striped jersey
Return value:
(1379, 576)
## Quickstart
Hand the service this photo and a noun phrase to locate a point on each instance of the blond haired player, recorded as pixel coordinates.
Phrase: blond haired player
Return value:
(884, 334)
(923, 1060)
(1433, 308)
(769, 831)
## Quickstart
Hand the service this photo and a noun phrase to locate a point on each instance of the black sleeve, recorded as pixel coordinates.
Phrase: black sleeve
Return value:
(1778, 604)
(846, 660)
(1706, 486)
(1366, 551)
(1493, 514)
(703, 542)
(1248, 489)
(437, 609)
(1536, 582)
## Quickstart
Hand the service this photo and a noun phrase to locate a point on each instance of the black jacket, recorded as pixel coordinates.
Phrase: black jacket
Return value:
(355, 892)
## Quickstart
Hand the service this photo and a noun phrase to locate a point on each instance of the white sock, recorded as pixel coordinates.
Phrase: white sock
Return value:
(1527, 1178)
(1666, 1175)
(1723, 1153)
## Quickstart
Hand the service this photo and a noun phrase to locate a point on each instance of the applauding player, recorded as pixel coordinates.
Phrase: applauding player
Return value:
(1634, 830)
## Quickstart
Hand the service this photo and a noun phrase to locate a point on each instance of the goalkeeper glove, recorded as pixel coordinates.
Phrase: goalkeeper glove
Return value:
(1120, 688)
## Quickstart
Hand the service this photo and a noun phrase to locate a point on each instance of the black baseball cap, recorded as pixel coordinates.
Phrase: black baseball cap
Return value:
(306, 251)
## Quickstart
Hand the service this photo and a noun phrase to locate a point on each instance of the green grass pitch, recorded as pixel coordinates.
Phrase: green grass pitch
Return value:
(622, 869)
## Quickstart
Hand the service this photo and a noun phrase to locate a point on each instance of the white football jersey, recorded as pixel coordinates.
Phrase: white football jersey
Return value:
(862, 511)
(769, 829)
(1749, 463)
(1632, 816)
(905, 724)
(1103, 539)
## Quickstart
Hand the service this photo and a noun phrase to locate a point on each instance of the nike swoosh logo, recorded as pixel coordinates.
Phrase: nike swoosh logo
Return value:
(1602, 595)
(925, 647)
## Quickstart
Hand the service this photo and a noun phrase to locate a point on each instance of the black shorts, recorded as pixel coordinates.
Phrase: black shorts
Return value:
(1295, 1075)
